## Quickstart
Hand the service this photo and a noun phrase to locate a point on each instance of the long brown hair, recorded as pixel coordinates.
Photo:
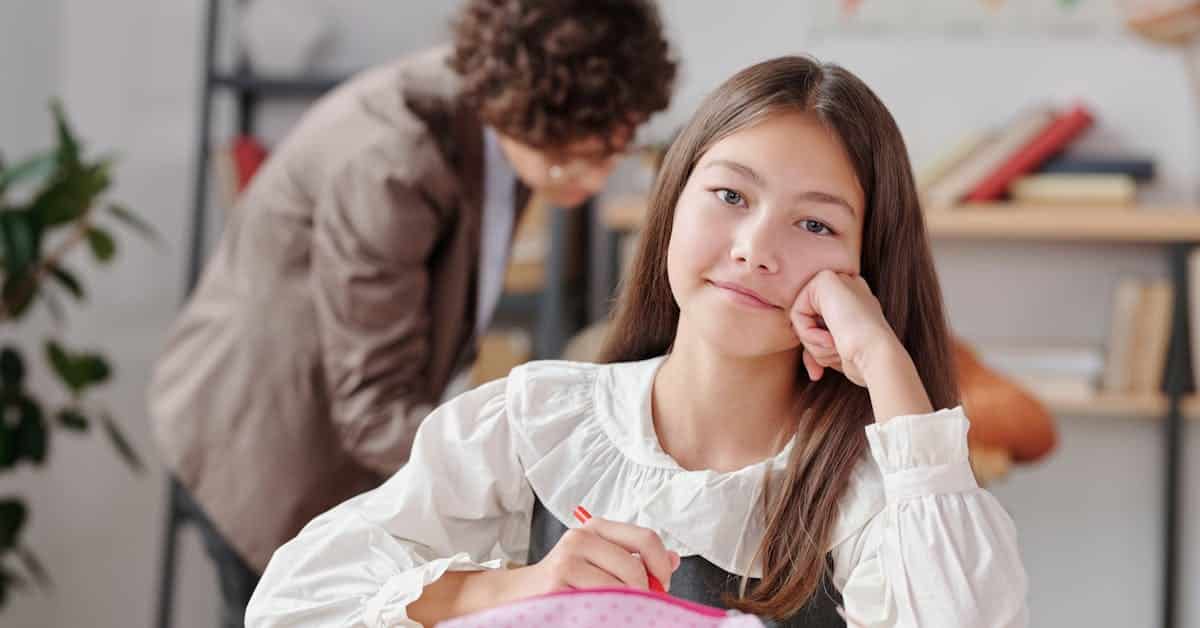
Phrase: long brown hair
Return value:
(896, 263)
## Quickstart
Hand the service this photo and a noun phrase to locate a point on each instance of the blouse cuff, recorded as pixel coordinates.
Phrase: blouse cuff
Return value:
(389, 607)
(922, 455)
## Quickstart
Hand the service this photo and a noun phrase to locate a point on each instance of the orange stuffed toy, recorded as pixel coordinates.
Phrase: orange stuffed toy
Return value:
(1007, 423)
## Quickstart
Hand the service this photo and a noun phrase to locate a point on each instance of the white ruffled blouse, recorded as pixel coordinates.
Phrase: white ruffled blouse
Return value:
(917, 542)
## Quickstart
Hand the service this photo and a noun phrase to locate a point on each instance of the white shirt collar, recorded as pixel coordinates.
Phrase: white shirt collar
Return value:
(597, 447)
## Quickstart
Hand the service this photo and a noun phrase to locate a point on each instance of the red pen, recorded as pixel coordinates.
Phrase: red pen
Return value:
(582, 516)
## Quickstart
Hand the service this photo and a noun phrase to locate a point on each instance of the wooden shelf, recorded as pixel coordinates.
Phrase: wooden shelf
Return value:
(1002, 221)
(1116, 406)
(1010, 222)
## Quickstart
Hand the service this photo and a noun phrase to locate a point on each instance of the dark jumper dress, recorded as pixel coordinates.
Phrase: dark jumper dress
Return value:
(696, 579)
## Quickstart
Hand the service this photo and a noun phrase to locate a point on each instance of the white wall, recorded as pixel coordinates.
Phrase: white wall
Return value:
(27, 79)
(128, 72)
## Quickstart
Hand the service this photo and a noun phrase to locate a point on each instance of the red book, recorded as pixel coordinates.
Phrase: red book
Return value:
(248, 155)
(1065, 128)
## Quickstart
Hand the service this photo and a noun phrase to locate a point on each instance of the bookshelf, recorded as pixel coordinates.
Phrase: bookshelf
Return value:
(1005, 222)
(1008, 222)
(245, 82)
(1115, 406)
(1175, 229)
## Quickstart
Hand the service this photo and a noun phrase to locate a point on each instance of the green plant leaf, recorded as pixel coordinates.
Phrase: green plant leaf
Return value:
(92, 368)
(103, 246)
(72, 192)
(32, 439)
(58, 203)
(131, 219)
(12, 518)
(73, 420)
(13, 579)
(62, 365)
(34, 566)
(19, 241)
(67, 280)
(121, 443)
(10, 412)
(68, 146)
(77, 370)
(12, 367)
(8, 444)
(17, 293)
(34, 169)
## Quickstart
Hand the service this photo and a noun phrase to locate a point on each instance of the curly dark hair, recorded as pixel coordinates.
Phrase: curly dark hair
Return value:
(551, 72)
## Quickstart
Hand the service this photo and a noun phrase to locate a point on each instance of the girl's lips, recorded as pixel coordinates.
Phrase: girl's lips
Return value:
(743, 295)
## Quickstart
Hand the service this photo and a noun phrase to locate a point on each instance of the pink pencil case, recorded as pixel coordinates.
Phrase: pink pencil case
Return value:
(604, 608)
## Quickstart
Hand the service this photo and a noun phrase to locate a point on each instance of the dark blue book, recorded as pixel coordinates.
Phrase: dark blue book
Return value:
(1141, 169)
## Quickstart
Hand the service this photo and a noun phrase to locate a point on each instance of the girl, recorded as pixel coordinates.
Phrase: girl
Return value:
(761, 436)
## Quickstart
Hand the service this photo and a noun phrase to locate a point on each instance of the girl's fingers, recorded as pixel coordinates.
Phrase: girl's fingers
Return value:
(584, 575)
(614, 560)
(814, 368)
(637, 540)
(817, 338)
(824, 355)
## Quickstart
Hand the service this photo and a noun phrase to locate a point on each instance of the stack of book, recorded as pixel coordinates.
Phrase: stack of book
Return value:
(1028, 162)
(1050, 371)
(1139, 337)
(236, 163)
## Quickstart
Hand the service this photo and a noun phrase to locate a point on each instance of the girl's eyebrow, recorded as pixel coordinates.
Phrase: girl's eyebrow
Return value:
(741, 169)
(816, 196)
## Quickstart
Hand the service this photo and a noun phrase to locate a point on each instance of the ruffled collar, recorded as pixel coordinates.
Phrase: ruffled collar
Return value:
(598, 447)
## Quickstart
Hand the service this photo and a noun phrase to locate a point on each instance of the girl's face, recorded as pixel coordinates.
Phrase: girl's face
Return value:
(763, 211)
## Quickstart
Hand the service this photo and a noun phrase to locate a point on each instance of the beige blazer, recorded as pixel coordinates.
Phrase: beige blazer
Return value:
(336, 307)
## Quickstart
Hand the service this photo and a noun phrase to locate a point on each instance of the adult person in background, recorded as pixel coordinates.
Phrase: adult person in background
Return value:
(366, 257)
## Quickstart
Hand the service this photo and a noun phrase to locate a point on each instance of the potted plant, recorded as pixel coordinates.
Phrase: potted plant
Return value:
(50, 204)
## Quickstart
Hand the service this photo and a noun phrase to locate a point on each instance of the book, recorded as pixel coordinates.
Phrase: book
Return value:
(1082, 190)
(248, 155)
(1141, 169)
(1050, 139)
(956, 185)
(1152, 337)
(1174, 24)
(1123, 323)
(235, 164)
(1017, 358)
(952, 158)
(1057, 388)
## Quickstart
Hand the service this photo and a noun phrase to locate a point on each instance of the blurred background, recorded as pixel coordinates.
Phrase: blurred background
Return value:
(1073, 280)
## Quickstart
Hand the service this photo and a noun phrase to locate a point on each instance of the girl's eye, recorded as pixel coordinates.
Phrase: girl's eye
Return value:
(730, 197)
(816, 226)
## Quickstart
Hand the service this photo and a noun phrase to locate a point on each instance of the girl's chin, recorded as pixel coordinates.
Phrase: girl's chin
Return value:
(741, 345)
